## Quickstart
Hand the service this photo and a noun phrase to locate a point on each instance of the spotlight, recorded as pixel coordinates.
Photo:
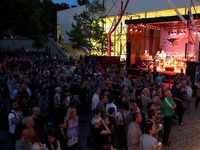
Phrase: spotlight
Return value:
(175, 33)
(195, 33)
(130, 29)
(136, 30)
(140, 31)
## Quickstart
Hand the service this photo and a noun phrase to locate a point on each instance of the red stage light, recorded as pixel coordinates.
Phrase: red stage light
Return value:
(131, 30)
(195, 33)
(136, 30)
(140, 31)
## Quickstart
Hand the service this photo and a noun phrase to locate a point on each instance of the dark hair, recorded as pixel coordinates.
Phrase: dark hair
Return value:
(148, 127)
(96, 111)
(151, 113)
(111, 110)
(62, 98)
(149, 105)
(50, 132)
(18, 130)
(135, 115)
(125, 106)
(111, 99)
(101, 97)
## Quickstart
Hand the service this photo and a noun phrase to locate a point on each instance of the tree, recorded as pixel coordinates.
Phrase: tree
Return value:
(36, 32)
(81, 2)
(87, 33)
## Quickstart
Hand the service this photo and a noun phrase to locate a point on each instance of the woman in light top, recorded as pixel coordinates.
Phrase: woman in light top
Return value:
(72, 128)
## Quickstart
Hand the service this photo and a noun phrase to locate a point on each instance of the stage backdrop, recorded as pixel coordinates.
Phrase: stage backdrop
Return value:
(175, 44)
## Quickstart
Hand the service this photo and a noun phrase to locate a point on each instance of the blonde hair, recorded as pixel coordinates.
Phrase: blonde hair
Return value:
(69, 113)
(26, 120)
(37, 146)
(95, 120)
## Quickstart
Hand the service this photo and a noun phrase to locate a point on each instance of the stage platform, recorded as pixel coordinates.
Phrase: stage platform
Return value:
(169, 75)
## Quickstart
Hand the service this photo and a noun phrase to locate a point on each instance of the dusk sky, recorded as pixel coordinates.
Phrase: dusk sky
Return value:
(70, 2)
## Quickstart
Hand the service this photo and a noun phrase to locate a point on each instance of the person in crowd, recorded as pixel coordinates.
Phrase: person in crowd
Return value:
(139, 84)
(168, 109)
(159, 78)
(72, 128)
(38, 123)
(23, 142)
(197, 94)
(189, 92)
(111, 103)
(132, 108)
(145, 99)
(164, 89)
(134, 132)
(95, 98)
(148, 142)
(112, 124)
(50, 140)
(122, 130)
(101, 105)
(152, 115)
(179, 98)
(129, 82)
(61, 132)
(14, 118)
(57, 96)
(29, 131)
(98, 132)
(155, 73)
(126, 92)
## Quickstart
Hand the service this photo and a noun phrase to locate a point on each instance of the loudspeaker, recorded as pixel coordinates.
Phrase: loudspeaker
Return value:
(185, 50)
(128, 54)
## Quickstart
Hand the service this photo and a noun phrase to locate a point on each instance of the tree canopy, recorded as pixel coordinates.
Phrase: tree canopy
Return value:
(87, 32)
(29, 18)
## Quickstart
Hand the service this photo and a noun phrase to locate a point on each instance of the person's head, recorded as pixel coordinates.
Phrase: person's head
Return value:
(189, 83)
(154, 68)
(98, 91)
(28, 121)
(111, 110)
(14, 105)
(168, 94)
(36, 111)
(61, 122)
(149, 128)
(122, 98)
(58, 89)
(137, 118)
(164, 87)
(150, 106)
(178, 85)
(37, 146)
(111, 99)
(96, 121)
(182, 89)
(103, 98)
(125, 88)
(156, 100)
(50, 137)
(152, 114)
(71, 113)
(63, 98)
(146, 92)
(97, 112)
(107, 121)
(133, 107)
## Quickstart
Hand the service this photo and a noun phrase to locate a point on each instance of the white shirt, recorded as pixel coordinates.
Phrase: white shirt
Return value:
(11, 115)
(95, 101)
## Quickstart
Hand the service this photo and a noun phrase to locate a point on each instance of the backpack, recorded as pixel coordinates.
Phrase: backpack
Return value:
(90, 140)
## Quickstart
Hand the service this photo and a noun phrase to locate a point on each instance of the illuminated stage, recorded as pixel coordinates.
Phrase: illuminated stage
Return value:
(164, 42)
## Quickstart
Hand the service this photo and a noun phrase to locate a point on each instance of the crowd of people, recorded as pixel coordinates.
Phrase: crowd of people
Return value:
(49, 98)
